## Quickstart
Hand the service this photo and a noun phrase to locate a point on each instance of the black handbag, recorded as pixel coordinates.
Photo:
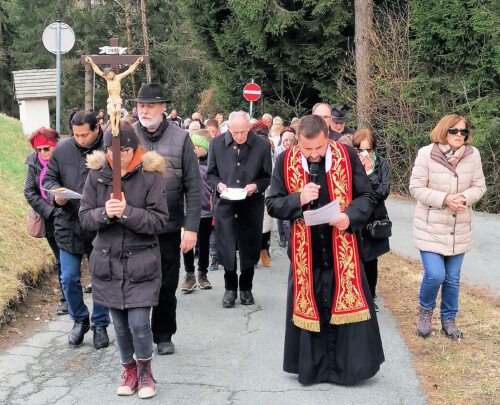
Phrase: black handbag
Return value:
(379, 229)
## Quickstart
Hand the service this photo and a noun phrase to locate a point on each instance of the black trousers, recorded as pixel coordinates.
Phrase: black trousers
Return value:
(55, 250)
(371, 272)
(246, 278)
(163, 321)
(204, 245)
(266, 241)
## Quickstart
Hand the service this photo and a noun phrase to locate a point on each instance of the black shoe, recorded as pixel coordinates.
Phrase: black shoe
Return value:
(63, 308)
(229, 299)
(376, 307)
(101, 339)
(246, 298)
(78, 332)
(88, 288)
(165, 347)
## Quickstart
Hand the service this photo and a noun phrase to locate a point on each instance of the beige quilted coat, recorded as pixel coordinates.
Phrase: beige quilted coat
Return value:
(436, 228)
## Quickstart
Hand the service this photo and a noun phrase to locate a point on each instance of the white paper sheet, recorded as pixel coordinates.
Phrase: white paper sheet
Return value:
(65, 193)
(322, 215)
(234, 194)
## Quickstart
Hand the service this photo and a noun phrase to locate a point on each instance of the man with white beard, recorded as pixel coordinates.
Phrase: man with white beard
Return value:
(182, 184)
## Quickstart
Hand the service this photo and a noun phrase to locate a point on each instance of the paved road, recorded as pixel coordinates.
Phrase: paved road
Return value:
(480, 267)
(224, 356)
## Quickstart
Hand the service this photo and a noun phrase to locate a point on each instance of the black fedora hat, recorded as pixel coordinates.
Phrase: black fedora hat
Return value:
(150, 93)
(339, 114)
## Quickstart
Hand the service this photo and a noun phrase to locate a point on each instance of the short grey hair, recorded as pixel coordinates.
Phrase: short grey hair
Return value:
(267, 115)
(238, 114)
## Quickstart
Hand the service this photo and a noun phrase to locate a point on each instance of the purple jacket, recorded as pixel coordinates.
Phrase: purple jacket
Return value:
(206, 190)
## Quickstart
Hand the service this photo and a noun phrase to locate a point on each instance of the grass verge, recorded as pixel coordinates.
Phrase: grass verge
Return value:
(451, 372)
(22, 258)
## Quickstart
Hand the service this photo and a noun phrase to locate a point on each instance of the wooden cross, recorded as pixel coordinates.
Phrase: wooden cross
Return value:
(115, 60)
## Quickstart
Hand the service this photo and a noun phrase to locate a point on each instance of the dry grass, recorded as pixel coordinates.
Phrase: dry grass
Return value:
(451, 372)
(22, 258)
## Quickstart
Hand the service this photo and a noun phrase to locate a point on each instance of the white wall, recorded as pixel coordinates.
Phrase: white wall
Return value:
(34, 113)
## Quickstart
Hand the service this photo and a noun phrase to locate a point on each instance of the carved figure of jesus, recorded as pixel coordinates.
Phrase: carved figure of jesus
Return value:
(114, 89)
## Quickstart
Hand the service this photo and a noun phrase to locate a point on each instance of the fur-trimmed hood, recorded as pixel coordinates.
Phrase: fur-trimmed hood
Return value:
(151, 161)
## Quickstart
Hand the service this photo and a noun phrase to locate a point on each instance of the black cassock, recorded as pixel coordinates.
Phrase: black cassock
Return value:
(239, 223)
(342, 354)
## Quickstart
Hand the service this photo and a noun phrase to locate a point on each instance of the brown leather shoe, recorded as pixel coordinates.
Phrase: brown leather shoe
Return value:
(264, 258)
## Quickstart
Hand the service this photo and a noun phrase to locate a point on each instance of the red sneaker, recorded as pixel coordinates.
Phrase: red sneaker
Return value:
(146, 382)
(129, 377)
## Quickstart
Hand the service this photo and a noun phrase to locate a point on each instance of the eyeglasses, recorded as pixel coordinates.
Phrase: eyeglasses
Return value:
(45, 149)
(362, 150)
(455, 131)
(123, 149)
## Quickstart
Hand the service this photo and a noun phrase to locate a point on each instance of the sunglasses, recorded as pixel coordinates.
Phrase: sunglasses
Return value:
(455, 131)
(45, 149)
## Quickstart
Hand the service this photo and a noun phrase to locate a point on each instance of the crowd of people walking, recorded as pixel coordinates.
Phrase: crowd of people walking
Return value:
(212, 189)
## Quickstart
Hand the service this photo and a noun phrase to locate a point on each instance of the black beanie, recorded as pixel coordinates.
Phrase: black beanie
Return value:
(128, 137)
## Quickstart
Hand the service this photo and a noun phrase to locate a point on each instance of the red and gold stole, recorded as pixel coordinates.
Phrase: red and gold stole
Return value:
(349, 303)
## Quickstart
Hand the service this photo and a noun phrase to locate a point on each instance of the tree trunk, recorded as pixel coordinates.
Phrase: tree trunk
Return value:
(363, 10)
(128, 29)
(145, 38)
(89, 77)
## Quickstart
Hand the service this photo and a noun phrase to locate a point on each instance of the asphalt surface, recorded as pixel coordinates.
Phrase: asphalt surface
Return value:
(480, 267)
(223, 356)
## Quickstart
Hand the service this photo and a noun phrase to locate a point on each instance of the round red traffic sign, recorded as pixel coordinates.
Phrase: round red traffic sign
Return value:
(252, 92)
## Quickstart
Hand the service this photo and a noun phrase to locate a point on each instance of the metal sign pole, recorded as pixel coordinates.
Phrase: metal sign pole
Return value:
(251, 108)
(58, 76)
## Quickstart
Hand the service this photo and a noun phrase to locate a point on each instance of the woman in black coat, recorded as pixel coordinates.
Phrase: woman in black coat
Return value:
(378, 172)
(125, 261)
(43, 141)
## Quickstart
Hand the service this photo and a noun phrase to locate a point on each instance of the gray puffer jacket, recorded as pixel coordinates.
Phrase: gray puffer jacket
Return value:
(183, 181)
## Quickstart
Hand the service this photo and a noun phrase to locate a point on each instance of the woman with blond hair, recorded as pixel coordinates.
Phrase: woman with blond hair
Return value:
(446, 180)
(275, 131)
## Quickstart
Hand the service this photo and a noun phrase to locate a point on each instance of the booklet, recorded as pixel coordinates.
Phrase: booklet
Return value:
(234, 194)
(322, 215)
(64, 193)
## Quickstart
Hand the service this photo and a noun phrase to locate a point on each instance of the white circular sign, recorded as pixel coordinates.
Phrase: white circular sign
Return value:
(50, 35)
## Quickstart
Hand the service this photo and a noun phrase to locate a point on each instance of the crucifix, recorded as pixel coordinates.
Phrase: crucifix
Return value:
(114, 57)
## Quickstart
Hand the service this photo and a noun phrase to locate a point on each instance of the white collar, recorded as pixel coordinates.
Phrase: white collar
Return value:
(328, 161)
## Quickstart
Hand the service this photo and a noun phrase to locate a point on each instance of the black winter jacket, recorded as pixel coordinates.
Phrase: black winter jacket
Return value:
(380, 180)
(32, 188)
(67, 168)
(125, 261)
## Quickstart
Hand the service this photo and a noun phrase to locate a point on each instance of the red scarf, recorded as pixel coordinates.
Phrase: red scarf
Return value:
(349, 303)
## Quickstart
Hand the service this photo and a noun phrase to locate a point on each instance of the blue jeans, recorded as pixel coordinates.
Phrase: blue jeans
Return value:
(441, 271)
(70, 279)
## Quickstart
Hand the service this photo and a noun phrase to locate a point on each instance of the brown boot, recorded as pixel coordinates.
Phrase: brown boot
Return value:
(203, 282)
(264, 258)
(189, 283)
(449, 329)
(146, 382)
(424, 324)
(129, 377)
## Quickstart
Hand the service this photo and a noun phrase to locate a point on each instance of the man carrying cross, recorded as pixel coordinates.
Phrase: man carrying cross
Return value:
(114, 89)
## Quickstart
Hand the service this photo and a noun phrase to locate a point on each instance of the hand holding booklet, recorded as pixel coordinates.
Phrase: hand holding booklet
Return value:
(322, 215)
(234, 194)
(64, 193)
